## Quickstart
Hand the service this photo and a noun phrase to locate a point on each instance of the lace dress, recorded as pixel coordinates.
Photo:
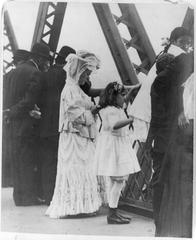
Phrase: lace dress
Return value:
(114, 155)
(76, 188)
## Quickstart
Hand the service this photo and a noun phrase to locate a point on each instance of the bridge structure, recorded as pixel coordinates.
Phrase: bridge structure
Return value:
(136, 195)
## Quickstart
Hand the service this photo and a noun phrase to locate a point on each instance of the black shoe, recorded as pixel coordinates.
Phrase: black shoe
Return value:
(32, 202)
(124, 217)
(115, 219)
(27, 203)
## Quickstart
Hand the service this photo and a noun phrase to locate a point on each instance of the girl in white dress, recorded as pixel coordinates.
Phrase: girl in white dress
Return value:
(114, 155)
(76, 190)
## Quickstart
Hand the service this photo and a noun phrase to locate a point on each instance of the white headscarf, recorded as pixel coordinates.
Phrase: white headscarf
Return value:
(74, 102)
(93, 60)
(78, 63)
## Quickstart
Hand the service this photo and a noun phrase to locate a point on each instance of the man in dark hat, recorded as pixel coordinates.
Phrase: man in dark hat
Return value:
(19, 57)
(25, 84)
(54, 81)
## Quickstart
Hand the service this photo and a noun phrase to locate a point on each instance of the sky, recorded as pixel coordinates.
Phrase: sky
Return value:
(81, 30)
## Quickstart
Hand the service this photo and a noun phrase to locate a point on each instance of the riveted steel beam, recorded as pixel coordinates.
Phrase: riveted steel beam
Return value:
(142, 44)
(188, 21)
(117, 47)
(49, 23)
(10, 42)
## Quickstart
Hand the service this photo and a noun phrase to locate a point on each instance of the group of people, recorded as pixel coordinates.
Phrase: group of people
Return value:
(55, 148)
(52, 119)
(27, 88)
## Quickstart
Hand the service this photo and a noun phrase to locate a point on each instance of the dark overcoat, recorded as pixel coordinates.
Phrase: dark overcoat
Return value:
(49, 103)
(54, 81)
(21, 96)
(24, 89)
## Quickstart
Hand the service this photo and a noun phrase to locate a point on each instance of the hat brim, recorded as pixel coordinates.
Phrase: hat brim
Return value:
(59, 55)
(41, 55)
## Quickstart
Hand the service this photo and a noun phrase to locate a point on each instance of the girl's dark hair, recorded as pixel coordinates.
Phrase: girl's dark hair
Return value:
(165, 50)
(108, 96)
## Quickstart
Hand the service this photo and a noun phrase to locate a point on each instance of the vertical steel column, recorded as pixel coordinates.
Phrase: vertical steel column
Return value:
(125, 67)
(188, 21)
(49, 23)
(11, 45)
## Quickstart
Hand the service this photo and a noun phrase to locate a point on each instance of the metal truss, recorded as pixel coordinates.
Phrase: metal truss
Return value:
(188, 22)
(139, 38)
(115, 42)
(49, 23)
(118, 45)
(137, 192)
(9, 42)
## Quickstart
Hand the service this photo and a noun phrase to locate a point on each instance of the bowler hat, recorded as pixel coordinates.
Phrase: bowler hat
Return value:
(65, 51)
(41, 49)
(179, 32)
(21, 54)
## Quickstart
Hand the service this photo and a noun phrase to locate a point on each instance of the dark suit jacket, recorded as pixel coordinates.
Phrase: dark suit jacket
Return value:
(167, 100)
(178, 71)
(24, 87)
(54, 81)
(6, 87)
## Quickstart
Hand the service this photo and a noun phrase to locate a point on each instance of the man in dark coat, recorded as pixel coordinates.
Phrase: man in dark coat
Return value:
(160, 125)
(19, 57)
(24, 88)
(54, 81)
(164, 93)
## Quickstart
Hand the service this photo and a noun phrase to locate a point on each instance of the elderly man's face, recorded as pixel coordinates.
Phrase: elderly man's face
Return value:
(84, 77)
(44, 64)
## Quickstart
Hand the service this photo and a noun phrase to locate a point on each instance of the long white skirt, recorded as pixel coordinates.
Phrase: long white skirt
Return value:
(76, 188)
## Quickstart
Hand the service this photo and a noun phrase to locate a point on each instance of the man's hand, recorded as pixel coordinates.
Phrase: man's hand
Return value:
(183, 122)
(35, 113)
(6, 119)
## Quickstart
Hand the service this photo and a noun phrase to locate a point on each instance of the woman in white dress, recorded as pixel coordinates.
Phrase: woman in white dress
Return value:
(76, 183)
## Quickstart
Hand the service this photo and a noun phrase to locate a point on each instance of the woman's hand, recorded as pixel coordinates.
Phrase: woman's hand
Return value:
(183, 122)
(136, 86)
(95, 109)
(130, 89)
(131, 118)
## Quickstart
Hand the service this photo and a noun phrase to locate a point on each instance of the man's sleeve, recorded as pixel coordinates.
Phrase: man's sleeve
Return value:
(180, 68)
(30, 98)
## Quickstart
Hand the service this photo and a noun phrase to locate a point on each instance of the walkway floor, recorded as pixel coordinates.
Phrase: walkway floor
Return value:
(33, 220)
